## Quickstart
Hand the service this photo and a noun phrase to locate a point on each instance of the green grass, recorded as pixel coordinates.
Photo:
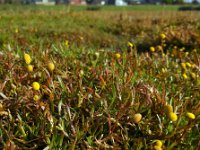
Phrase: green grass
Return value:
(100, 83)
(100, 8)
(142, 8)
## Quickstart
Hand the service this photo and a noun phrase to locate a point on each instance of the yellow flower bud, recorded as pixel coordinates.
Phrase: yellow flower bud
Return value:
(185, 76)
(168, 109)
(182, 49)
(97, 54)
(130, 44)
(164, 70)
(174, 52)
(183, 65)
(163, 36)
(36, 86)
(157, 147)
(27, 58)
(30, 68)
(36, 98)
(137, 118)
(117, 55)
(190, 115)
(193, 66)
(193, 75)
(67, 43)
(188, 64)
(158, 143)
(159, 48)
(152, 49)
(16, 30)
(172, 116)
(81, 73)
(186, 53)
(51, 66)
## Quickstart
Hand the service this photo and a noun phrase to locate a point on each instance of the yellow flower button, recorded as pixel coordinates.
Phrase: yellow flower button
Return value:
(36, 86)
(27, 58)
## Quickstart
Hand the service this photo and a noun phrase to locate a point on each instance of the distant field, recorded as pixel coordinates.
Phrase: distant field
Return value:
(115, 25)
(78, 77)
(98, 7)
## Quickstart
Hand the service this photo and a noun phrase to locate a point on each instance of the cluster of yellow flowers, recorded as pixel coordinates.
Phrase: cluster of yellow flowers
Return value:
(163, 38)
(130, 46)
(169, 112)
(159, 47)
(164, 70)
(28, 61)
(173, 117)
(36, 85)
(185, 66)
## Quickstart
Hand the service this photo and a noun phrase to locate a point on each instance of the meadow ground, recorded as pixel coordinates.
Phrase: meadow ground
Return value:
(78, 77)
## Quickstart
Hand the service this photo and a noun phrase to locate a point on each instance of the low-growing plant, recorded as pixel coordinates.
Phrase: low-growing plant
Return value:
(60, 93)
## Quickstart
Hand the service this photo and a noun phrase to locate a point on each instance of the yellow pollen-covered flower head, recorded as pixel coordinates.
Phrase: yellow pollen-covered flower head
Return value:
(183, 65)
(36, 86)
(185, 76)
(193, 66)
(117, 55)
(159, 143)
(163, 36)
(51, 66)
(36, 97)
(137, 118)
(172, 116)
(156, 147)
(164, 70)
(30, 68)
(67, 43)
(168, 109)
(130, 44)
(81, 73)
(16, 30)
(97, 54)
(190, 115)
(188, 64)
(193, 75)
(152, 49)
(27, 58)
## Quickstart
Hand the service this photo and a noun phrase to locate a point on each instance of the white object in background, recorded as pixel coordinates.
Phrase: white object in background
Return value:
(120, 3)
